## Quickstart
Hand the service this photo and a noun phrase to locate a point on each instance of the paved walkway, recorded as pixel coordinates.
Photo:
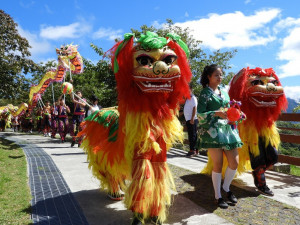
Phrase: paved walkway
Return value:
(52, 200)
(286, 188)
(98, 209)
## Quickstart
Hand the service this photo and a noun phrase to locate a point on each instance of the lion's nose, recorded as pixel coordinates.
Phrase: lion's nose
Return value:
(160, 68)
(271, 87)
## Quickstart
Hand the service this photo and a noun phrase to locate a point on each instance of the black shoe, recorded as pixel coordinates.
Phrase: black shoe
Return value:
(73, 143)
(221, 203)
(231, 197)
(191, 154)
(137, 220)
(265, 190)
(155, 220)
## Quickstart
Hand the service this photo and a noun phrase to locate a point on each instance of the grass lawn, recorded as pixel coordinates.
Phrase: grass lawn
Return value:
(14, 190)
(295, 170)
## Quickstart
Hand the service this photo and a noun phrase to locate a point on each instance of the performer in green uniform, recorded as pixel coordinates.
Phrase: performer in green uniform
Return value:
(215, 134)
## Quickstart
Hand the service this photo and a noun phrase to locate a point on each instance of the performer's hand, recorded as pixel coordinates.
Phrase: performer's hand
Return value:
(221, 114)
(192, 121)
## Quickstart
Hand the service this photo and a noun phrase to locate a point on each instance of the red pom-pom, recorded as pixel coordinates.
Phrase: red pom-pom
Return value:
(233, 114)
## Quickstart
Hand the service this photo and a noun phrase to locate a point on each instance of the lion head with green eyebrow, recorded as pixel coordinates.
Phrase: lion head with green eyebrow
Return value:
(155, 64)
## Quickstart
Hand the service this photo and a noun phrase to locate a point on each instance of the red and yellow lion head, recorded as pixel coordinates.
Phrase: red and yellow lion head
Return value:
(152, 74)
(261, 94)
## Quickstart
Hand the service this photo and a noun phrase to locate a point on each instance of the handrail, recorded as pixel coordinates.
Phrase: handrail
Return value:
(289, 138)
(289, 117)
(289, 128)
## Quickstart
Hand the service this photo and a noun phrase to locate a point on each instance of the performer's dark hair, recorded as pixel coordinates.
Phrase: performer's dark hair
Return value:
(208, 71)
(94, 98)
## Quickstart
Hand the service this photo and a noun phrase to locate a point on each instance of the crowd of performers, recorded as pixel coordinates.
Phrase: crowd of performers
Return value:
(130, 142)
(237, 127)
(57, 118)
(4, 120)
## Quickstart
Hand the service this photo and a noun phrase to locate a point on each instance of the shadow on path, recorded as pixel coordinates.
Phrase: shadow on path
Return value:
(203, 193)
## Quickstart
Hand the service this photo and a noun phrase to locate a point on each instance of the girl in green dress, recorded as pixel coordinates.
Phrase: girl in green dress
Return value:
(215, 134)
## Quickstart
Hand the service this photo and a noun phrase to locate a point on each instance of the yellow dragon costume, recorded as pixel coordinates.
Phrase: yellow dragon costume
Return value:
(69, 59)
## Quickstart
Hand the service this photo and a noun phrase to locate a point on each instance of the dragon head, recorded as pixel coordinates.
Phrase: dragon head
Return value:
(261, 94)
(153, 73)
(69, 51)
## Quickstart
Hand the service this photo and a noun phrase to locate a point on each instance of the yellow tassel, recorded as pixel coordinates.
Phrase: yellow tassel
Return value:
(153, 181)
(138, 129)
(112, 177)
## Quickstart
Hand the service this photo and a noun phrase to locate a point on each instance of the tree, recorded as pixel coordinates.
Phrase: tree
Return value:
(14, 61)
(296, 109)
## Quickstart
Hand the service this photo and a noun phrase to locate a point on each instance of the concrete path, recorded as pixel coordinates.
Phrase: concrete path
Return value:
(286, 188)
(52, 201)
(97, 208)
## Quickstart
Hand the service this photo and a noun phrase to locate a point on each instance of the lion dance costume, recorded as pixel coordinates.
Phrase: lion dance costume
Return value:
(263, 99)
(130, 142)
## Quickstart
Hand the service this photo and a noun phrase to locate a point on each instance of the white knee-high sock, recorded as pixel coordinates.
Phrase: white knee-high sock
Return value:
(216, 179)
(229, 175)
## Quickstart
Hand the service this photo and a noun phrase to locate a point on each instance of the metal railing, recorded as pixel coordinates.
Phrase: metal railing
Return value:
(290, 138)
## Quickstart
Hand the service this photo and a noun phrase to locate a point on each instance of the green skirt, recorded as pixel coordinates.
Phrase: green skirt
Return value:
(220, 136)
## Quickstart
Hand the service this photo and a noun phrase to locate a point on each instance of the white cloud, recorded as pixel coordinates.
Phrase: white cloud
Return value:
(186, 14)
(233, 30)
(74, 30)
(46, 60)
(107, 33)
(286, 24)
(292, 92)
(48, 10)
(39, 46)
(247, 1)
(156, 24)
(76, 4)
(27, 4)
(290, 49)
(250, 65)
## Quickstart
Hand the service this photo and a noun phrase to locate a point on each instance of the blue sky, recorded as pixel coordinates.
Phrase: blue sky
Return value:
(266, 33)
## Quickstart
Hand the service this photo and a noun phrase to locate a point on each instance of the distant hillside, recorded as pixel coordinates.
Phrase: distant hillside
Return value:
(292, 105)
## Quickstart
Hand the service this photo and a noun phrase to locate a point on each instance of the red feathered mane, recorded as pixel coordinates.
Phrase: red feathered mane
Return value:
(240, 90)
(131, 98)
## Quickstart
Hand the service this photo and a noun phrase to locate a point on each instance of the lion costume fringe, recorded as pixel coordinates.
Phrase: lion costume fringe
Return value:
(130, 142)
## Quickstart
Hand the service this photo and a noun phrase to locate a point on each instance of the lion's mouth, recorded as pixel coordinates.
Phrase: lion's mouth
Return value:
(157, 84)
(263, 101)
(148, 86)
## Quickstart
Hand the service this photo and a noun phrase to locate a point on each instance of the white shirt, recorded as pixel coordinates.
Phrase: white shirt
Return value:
(188, 108)
(94, 108)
